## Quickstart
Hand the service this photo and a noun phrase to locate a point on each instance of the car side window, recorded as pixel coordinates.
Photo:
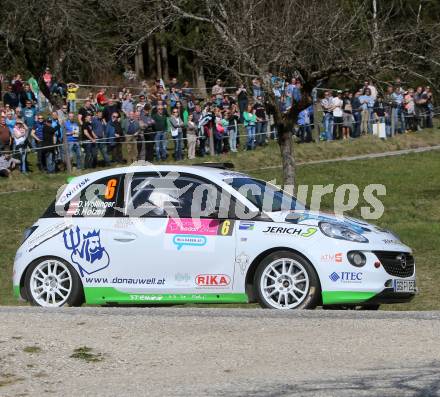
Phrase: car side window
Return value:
(99, 199)
(182, 196)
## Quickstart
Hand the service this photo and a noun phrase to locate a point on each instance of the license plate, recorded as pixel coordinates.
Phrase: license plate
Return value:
(404, 286)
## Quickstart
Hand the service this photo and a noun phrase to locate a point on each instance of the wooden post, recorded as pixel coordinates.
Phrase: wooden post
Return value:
(316, 128)
(211, 142)
(67, 154)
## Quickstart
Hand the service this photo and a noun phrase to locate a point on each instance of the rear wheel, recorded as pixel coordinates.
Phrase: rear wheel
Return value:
(284, 280)
(52, 282)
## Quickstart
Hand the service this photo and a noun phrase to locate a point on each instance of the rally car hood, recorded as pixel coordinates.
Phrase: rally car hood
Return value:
(375, 234)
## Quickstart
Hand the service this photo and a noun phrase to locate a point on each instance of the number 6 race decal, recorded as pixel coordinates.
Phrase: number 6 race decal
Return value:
(225, 228)
(110, 189)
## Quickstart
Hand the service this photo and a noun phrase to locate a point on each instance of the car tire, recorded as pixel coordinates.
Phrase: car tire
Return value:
(285, 280)
(53, 282)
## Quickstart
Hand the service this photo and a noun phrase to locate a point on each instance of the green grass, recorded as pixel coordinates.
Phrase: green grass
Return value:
(32, 349)
(86, 354)
(412, 207)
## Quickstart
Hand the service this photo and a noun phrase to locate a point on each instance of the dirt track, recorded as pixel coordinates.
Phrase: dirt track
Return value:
(218, 352)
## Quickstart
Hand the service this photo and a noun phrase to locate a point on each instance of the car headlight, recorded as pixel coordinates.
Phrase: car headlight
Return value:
(341, 232)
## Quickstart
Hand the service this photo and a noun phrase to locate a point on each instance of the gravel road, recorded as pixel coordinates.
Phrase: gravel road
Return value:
(217, 352)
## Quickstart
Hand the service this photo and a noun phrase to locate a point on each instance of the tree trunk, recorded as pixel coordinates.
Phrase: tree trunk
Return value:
(158, 60)
(284, 125)
(200, 79)
(375, 27)
(179, 65)
(287, 157)
(164, 53)
(57, 69)
(139, 62)
(151, 58)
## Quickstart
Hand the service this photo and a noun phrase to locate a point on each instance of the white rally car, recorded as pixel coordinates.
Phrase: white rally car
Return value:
(199, 234)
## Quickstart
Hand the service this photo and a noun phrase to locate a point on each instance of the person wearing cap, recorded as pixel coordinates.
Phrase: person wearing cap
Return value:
(29, 115)
(87, 110)
(218, 91)
(37, 141)
(140, 104)
(19, 136)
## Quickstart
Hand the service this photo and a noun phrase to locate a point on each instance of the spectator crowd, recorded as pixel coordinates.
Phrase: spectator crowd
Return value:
(104, 123)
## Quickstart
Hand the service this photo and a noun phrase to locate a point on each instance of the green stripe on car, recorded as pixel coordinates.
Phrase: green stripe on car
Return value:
(102, 295)
(16, 291)
(336, 297)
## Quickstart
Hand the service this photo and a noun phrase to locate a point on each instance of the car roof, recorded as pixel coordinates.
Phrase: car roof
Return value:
(203, 171)
(216, 175)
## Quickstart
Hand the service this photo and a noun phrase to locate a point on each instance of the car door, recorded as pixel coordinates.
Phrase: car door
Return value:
(182, 241)
(97, 241)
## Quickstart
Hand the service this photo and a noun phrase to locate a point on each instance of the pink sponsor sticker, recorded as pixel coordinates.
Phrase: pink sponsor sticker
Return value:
(207, 227)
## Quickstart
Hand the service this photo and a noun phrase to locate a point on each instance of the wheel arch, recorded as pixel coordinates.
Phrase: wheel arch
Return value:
(23, 292)
(249, 281)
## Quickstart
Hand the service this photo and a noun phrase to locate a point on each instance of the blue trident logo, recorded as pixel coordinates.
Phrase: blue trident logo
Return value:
(87, 251)
(75, 241)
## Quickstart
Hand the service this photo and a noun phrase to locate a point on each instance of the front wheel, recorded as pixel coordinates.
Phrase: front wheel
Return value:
(284, 280)
(52, 282)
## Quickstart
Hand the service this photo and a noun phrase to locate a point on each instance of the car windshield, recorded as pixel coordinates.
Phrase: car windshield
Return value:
(265, 196)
